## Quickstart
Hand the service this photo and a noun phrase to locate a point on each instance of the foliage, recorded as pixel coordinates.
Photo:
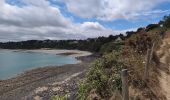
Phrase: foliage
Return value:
(65, 97)
(166, 21)
(137, 46)
(143, 40)
(91, 44)
(109, 47)
(129, 34)
(135, 63)
(103, 76)
(152, 26)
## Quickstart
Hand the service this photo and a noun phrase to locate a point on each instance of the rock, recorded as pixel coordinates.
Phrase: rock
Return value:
(41, 89)
(37, 98)
(56, 89)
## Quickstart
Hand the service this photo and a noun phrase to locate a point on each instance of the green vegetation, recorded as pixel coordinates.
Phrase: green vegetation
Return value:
(152, 26)
(59, 97)
(109, 47)
(91, 44)
(103, 80)
(165, 22)
(103, 77)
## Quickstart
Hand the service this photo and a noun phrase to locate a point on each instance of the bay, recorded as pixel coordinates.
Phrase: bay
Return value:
(14, 63)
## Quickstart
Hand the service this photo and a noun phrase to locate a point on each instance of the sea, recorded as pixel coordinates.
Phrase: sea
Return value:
(13, 63)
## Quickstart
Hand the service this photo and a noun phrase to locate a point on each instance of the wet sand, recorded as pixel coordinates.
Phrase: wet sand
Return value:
(74, 53)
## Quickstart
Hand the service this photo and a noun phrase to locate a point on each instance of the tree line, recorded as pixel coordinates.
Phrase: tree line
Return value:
(90, 44)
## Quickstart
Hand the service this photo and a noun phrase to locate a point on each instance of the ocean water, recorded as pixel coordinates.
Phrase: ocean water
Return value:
(14, 63)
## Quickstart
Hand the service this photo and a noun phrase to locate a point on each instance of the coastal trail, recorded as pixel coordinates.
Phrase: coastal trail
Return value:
(164, 79)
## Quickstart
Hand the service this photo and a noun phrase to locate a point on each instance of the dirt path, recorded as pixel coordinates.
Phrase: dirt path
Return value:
(165, 60)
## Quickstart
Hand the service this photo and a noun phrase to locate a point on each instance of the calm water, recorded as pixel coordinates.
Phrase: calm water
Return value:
(14, 63)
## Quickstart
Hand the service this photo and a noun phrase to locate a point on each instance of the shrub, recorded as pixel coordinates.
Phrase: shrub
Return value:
(109, 47)
(143, 41)
(59, 97)
(103, 77)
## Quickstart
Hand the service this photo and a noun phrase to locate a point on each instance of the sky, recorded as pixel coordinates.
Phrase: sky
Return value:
(76, 19)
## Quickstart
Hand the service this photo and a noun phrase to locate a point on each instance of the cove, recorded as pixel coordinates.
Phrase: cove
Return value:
(14, 63)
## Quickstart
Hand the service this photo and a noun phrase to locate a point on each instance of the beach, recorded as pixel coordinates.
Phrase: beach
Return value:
(74, 53)
(42, 83)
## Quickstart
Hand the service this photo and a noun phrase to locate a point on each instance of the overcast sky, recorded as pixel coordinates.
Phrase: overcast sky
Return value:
(75, 19)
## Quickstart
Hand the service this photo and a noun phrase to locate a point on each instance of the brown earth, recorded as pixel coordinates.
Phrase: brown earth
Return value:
(164, 79)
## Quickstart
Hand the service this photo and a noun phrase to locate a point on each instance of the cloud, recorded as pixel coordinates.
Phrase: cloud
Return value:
(111, 9)
(88, 8)
(35, 14)
(92, 26)
(39, 20)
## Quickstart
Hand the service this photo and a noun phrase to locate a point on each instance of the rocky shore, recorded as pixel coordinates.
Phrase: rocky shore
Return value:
(43, 83)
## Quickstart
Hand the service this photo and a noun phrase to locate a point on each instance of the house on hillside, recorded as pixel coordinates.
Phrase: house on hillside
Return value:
(118, 39)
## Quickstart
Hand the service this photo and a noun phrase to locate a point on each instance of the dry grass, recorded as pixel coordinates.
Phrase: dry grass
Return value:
(151, 88)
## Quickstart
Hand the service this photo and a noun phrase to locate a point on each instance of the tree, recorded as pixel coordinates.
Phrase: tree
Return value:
(165, 22)
(151, 27)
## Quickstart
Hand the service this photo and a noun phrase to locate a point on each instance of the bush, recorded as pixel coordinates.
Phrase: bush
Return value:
(109, 47)
(143, 41)
(166, 21)
(152, 26)
(103, 77)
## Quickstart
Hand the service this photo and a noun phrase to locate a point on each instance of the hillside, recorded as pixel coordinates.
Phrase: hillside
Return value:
(131, 56)
(103, 78)
(103, 81)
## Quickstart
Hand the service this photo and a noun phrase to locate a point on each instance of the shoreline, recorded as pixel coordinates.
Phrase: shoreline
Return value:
(73, 53)
(77, 54)
(25, 84)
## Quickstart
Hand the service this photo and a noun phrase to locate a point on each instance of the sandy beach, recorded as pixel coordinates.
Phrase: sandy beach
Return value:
(74, 53)
(42, 83)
